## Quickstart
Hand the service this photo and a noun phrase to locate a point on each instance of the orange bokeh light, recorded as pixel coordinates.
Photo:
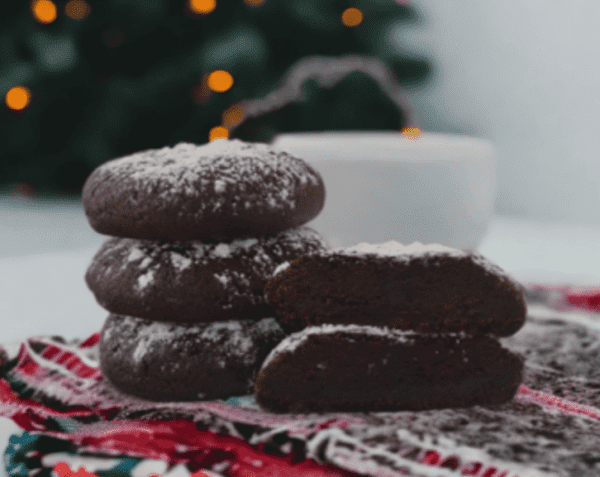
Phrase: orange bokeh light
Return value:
(254, 3)
(200, 92)
(352, 17)
(411, 133)
(218, 132)
(77, 9)
(44, 11)
(233, 115)
(202, 6)
(24, 190)
(18, 98)
(220, 81)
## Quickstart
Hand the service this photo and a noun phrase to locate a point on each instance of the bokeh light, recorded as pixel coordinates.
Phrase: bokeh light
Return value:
(202, 7)
(352, 17)
(77, 9)
(44, 11)
(201, 93)
(218, 132)
(25, 190)
(232, 116)
(411, 133)
(254, 3)
(17, 98)
(220, 81)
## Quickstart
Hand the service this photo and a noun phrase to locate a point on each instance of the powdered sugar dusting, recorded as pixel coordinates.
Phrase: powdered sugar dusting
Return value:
(158, 332)
(245, 243)
(222, 278)
(145, 263)
(218, 167)
(149, 260)
(145, 280)
(146, 337)
(393, 249)
(135, 254)
(295, 340)
(491, 267)
(180, 262)
(405, 253)
(281, 267)
(234, 337)
(222, 250)
(220, 186)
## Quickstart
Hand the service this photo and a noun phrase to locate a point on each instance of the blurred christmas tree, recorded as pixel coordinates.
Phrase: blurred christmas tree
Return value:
(84, 82)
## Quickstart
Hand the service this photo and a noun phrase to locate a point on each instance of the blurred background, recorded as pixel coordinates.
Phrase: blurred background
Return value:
(84, 81)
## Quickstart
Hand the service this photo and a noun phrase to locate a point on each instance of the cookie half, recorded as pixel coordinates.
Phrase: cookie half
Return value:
(350, 368)
(424, 288)
(171, 362)
(193, 282)
(222, 190)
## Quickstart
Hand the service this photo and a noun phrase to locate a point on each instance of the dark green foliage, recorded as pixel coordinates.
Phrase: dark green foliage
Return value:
(121, 80)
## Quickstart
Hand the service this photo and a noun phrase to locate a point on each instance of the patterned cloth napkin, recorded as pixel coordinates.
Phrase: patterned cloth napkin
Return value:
(72, 419)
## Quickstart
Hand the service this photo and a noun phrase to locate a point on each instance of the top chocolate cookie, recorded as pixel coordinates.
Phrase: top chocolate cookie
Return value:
(222, 190)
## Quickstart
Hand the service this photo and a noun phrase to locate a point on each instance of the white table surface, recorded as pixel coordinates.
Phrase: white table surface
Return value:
(45, 250)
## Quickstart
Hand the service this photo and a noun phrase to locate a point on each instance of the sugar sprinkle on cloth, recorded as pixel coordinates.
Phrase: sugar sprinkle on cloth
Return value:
(54, 391)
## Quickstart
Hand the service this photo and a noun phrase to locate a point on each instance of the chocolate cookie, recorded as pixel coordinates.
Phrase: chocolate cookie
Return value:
(347, 368)
(219, 191)
(171, 362)
(424, 288)
(193, 282)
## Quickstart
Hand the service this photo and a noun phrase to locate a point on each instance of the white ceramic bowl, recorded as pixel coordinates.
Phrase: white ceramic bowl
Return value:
(382, 186)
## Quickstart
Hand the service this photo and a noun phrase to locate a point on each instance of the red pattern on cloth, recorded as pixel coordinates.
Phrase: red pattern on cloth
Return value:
(588, 299)
(566, 297)
(178, 441)
(181, 441)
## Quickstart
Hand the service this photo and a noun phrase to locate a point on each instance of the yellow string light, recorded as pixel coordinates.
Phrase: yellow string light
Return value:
(200, 92)
(202, 7)
(411, 133)
(18, 98)
(352, 17)
(218, 132)
(44, 11)
(232, 116)
(220, 81)
(77, 9)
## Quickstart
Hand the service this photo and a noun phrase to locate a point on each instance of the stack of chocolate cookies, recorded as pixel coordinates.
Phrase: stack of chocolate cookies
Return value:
(196, 233)
(391, 327)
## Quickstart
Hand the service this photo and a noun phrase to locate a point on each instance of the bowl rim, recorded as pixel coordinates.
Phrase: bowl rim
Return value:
(358, 145)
